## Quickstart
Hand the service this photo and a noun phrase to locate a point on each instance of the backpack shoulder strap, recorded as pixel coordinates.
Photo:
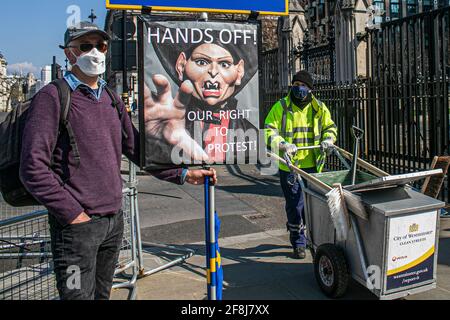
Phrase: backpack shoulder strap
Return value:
(64, 93)
(65, 98)
(116, 105)
(114, 102)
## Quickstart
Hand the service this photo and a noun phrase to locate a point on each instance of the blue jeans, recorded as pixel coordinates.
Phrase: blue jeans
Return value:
(294, 208)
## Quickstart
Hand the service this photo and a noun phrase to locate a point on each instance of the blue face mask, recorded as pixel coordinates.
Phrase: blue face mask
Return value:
(300, 92)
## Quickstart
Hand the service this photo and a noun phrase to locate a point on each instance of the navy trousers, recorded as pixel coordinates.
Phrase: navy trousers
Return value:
(294, 208)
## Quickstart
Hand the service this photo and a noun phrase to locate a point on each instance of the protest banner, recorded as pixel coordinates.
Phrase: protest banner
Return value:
(200, 93)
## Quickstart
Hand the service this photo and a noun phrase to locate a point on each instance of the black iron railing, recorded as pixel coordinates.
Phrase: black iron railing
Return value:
(404, 105)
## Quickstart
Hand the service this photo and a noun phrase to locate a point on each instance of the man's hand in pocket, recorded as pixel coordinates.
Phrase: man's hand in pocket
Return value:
(83, 217)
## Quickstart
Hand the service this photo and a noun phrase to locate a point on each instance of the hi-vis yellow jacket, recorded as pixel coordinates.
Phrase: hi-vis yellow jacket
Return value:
(307, 127)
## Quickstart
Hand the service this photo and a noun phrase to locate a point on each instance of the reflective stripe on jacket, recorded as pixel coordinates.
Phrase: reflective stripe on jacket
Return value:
(307, 127)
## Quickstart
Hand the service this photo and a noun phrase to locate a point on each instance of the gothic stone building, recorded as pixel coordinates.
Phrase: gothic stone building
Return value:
(328, 37)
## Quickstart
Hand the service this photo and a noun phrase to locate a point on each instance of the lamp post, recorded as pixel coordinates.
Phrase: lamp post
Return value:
(125, 97)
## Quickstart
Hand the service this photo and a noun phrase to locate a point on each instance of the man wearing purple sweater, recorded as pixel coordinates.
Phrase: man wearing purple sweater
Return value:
(84, 198)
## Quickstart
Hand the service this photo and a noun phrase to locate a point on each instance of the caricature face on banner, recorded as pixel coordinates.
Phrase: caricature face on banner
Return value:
(201, 94)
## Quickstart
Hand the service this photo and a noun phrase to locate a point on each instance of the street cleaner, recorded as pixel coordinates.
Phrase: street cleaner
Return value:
(299, 120)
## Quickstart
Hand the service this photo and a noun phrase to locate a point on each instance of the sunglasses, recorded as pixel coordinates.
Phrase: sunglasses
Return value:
(87, 47)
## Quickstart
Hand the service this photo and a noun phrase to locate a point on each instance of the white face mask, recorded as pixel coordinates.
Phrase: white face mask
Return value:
(92, 63)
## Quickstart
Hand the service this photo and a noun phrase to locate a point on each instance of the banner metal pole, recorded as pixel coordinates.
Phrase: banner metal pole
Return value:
(207, 238)
(212, 241)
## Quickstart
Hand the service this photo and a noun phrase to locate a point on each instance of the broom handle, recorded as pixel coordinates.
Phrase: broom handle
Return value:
(427, 180)
(308, 148)
(364, 164)
(322, 186)
(334, 149)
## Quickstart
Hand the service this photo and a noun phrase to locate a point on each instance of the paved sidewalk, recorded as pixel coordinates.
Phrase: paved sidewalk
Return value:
(254, 243)
(258, 266)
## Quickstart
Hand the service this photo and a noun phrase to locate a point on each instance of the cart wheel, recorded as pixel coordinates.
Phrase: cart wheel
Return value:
(330, 269)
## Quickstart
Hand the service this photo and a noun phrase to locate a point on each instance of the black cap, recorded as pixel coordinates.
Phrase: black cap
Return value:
(81, 29)
(304, 77)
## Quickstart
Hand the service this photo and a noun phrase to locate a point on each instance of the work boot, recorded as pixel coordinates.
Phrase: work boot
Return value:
(299, 253)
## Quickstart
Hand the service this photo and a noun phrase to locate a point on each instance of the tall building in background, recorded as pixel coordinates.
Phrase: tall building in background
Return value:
(46, 74)
(29, 85)
(3, 65)
(5, 101)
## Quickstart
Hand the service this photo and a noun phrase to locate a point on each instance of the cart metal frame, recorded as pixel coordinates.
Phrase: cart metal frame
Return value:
(313, 188)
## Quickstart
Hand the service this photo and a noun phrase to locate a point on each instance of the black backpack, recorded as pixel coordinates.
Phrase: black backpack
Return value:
(11, 131)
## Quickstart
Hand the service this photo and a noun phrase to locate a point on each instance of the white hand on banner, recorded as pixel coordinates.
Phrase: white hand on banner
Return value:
(164, 116)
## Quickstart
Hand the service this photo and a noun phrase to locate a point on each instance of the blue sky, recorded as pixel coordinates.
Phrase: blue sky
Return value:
(31, 30)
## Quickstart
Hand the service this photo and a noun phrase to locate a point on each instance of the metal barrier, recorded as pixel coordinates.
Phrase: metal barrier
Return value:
(7, 211)
(26, 271)
(133, 248)
(128, 259)
(145, 247)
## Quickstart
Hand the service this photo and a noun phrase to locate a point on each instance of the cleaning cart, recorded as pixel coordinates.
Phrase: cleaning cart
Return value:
(392, 241)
